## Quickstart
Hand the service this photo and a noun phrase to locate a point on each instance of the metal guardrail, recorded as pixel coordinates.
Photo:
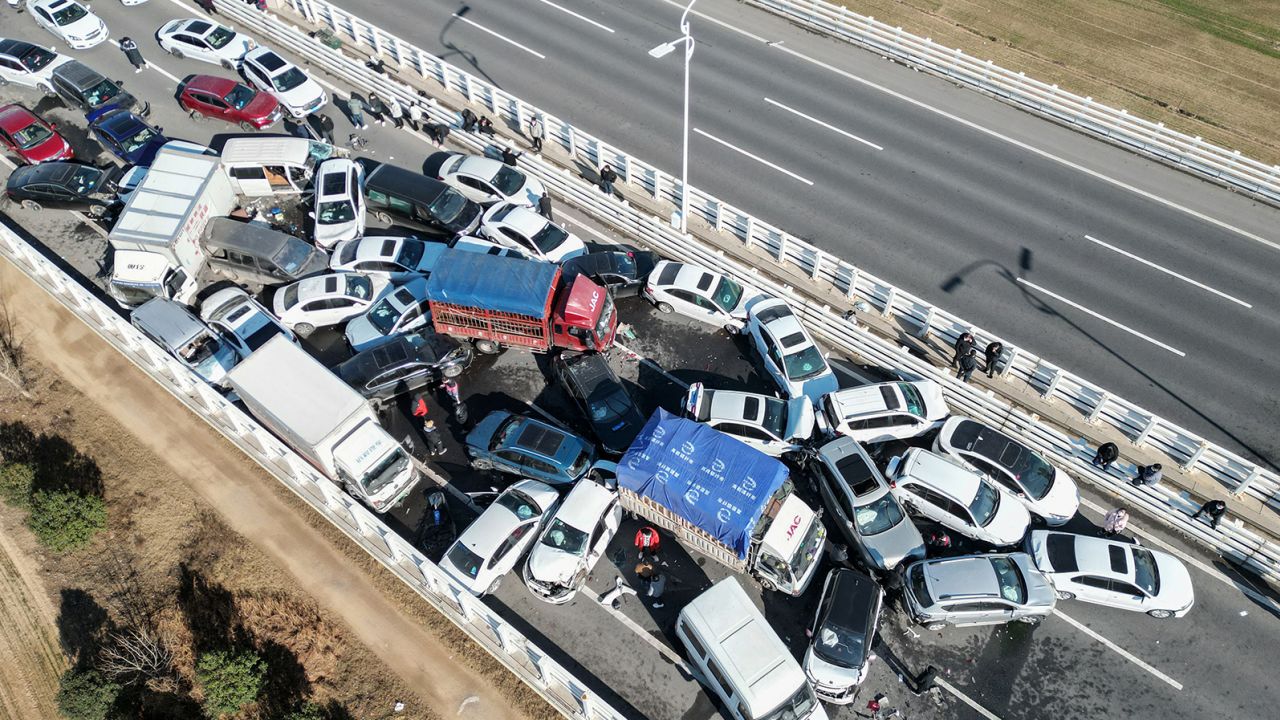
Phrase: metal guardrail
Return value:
(1184, 151)
(847, 281)
(556, 684)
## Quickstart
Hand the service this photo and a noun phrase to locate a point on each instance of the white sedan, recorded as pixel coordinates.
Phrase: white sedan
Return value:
(1111, 572)
(698, 293)
(297, 93)
(241, 320)
(204, 40)
(789, 354)
(525, 230)
(492, 545)
(324, 300)
(770, 425)
(70, 21)
(573, 541)
(339, 202)
(395, 258)
(483, 179)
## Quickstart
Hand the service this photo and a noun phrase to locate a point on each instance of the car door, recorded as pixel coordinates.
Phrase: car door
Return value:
(8, 142)
(257, 78)
(476, 189)
(12, 70)
(45, 20)
(979, 613)
(686, 303)
(772, 357)
(192, 46)
(1095, 589)
(837, 500)
(603, 533)
(212, 105)
(513, 461)
(413, 318)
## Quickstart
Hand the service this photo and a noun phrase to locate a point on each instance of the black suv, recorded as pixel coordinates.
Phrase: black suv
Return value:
(85, 89)
(404, 364)
(416, 200)
(602, 398)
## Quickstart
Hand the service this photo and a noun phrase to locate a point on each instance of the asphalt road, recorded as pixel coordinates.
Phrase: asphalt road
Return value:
(936, 189)
(1217, 660)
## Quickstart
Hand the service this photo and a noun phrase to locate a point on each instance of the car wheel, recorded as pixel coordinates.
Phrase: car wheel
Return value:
(665, 308)
(494, 587)
(487, 347)
(732, 330)
(934, 626)
(197, 116)
(303, 329)
(228, 65)
(452, 371)
(176, 53)
(46, 90)
(248, 126)
(5, 81)
(1064, 595)
(382, 217)
(1160, 614)
(481, 465)
(1031, 620)
(31, 205)
(96, 211)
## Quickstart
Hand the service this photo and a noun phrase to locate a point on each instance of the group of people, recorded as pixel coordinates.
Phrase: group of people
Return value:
(966, 358)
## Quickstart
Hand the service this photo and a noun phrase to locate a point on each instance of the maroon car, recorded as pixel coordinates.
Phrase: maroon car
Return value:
(215, 97)
(28, 135)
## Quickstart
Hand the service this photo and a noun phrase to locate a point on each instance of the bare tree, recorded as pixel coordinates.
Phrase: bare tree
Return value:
(11, 353)
(136, 654)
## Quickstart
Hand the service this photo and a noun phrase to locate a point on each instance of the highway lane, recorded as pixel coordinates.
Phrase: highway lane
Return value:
(1200, 652)
(944, 210)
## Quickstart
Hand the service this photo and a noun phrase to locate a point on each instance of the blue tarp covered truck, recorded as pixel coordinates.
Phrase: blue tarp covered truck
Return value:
(724, 499)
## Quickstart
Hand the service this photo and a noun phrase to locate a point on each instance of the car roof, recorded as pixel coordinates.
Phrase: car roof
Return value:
(853, 600)
(524, 220)
(585, 503)
(488, 531)
(1095, 556)
(168, 320)
(269, 59)
(48, 172)
(689, 277)
(740, 406)
(210, 83)
(968, 435)
(779, 320)
(480, 166)
(962, 577)
(333, 168)
(14, 47)
(79, 74)
(938, 473)
(595, 262)
(197, 26)
(538, 437)
(400, 181)
(856, 468)
(16, 117)
(588, 369)
(119, 122)
(379, 247)
(866, 399)
(412, 292)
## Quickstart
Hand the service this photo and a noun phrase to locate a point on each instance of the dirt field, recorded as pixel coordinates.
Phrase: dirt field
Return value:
(215, 550)
(1204, 67)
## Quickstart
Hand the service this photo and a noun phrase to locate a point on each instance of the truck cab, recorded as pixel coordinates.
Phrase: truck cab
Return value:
(137, 276)
(786, 556)
(372, 466)
(585, 318)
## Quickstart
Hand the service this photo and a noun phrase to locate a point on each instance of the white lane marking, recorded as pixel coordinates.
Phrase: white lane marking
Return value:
(152, 65)
(681, 4)
(757, 158)
(1103, 318)
(478, 26)
(635, 627)
(828, 126)
(584, 19)
(1123, 653)
(966, 699)
(1165, 270)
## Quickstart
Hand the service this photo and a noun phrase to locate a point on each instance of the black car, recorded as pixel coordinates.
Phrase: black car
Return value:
(404, 364)
(624, 273)
(85, 89)
(603, 399)
(417, 201)
(64, 185)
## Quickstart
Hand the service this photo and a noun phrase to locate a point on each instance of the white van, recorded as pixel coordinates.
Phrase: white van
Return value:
(272, 164)
(742, 659)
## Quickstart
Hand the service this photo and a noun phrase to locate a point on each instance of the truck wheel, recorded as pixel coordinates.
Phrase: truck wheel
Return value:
(488, 347)
(96, 211)
(768, 585)
(665, 308)
(452, 371)
(303, 329)
(31, 205)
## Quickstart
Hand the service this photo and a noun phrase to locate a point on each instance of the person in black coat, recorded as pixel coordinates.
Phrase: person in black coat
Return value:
(133, 54)
(469, 120)
(964, 344)
(993, 352)
(1215, 509)
(1107, 454)
(326, 127)
(207, 6)
(968, 363)
(510, 156)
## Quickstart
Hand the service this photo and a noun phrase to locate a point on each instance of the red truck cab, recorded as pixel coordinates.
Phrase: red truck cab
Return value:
(585, 317)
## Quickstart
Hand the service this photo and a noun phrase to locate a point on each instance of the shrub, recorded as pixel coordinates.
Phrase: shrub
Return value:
(230, 680)
(85, 695)
(16, 480)
(308, 711)
(66, 520)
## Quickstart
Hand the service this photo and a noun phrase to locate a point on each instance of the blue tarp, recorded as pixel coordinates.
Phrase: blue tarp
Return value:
(491, 282)
(710, 479)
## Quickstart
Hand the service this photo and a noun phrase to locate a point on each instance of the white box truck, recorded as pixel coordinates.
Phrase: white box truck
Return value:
(324, 420)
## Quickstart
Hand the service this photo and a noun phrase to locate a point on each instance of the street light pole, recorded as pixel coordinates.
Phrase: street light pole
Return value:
(662, 51)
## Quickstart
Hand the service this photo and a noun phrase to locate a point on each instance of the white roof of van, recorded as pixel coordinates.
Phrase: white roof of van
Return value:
(266, 150)
(164, 198)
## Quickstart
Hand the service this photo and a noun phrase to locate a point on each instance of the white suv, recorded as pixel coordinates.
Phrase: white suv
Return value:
(956, 497)
(884, 411)
(790, 355)
(297, 93)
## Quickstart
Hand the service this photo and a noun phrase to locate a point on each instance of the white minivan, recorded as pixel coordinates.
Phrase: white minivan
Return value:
(742, 660)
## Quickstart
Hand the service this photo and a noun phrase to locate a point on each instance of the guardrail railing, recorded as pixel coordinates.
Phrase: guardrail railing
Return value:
(844, 280)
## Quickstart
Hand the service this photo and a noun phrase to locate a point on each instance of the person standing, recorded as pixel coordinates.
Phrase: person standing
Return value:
(396, 110)
(133, 54)
(377, 109)
(1148, 475)
(964, 343)
(1214, 509)
(208, 6)
(435, 443)
(544, 208)
(1107, 454)
(537, 132)
(648, 541)
(326, 127)
(469, 120)
(968, 363)
(355, 109)
(607, 178)
(1115, 521)
(993, 352)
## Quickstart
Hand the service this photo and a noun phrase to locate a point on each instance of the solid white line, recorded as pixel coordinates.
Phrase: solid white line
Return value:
(966, 699)
(673, 657)
(478, 26)
(1103, 318)
(757, 158)
(1167, 271)
(150, 64)
(567, 11)
(1123, 653)
(681, 4)
(828, 126)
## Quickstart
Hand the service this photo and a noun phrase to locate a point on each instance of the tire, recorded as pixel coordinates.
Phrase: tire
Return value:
(303, 329)
(1031, 620)
(768, 586)
(382, 217)
(493, 588)
(248, 126)
(96, 211)
(481, 465)
(665, 308)
(1160, 614)
(487, 347)
(1064, 595)
(31, 205)
(227, 65)
(4, 81)
(732, 330)
(196, 116)
(934, 626)
(45, 90)
(452, 371)
(176, 53)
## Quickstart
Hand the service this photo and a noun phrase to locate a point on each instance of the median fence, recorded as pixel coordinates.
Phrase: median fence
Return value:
(526, 660)
(833, 276)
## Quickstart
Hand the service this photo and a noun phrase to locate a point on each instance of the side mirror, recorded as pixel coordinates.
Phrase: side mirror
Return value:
(311, 215)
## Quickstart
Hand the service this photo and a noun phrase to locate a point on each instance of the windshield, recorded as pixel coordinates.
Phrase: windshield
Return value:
(775, 417)
(101, 93)
(386, 471)
(219, 37)
(1010, 580)
(138, 140)
(289, 79)
(919, 588)
(69, 14)
(1034, 474)
(878, 516)
(410, 254)
(239, 96)
(504, 431)
(914, 402)
(984, 506)
(508, 181)
(384, 316)
(464, 560)
(579, 465)
(1145, 571)
(36, 58)
(799, 706)
(447, 207)
(566, 538)
(359, 286)
(606, 319)
(805, 364)
(549, 238)
(290, 297)
(335, 211)
(32, 135)
(840, 645)
(809, 550)
(727, 294)
(294, 255)
(519, 504)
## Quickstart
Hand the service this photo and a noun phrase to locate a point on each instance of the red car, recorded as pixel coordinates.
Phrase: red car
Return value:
(35, 140)
(215, 97)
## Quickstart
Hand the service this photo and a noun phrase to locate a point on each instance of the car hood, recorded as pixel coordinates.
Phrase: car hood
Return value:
(303, 95)
(935, 405)
(896, 545)
(55, 147)
(800, 419)
(333, 233)
(1062, 502)
(260, 106)
(816, 388)
(822, 672)
(480, 435)
(571, 247)
(549, 565)
(1176, 591)
(362, 335)
(83, 27)
(1011, 521)
(750, 296)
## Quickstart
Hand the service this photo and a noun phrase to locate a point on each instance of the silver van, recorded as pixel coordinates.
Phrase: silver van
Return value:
(182, 335)
(254, 254)
(742, 660)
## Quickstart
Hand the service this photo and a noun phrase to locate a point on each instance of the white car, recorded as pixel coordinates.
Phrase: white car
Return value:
(298, 94)
(28, 64)
(492, 545)
(339, 202)
(525, 230)
(767, 424)
(241, 320)
(946, 492)
(70, 21)
(790, 356)
(480, 245)
(1046, 490)
(1111, 572)
(699, 293)
(485, 180)
(204, 40)
(395, 258)
(324, 300)
(401, 309)
(572, 542)
(884, 411)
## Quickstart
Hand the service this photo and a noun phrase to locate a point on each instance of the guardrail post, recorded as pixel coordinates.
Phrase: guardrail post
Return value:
(1244, 484)
(854, 274)
(466, 87)
(1194, 460)
(783, 238)
(573, 140)
(1103, 398)
(927, 325)
(657, 184)
(1052, 386)
(889, 301)
(1013, 357)
(1146, 431)
(817, 265)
